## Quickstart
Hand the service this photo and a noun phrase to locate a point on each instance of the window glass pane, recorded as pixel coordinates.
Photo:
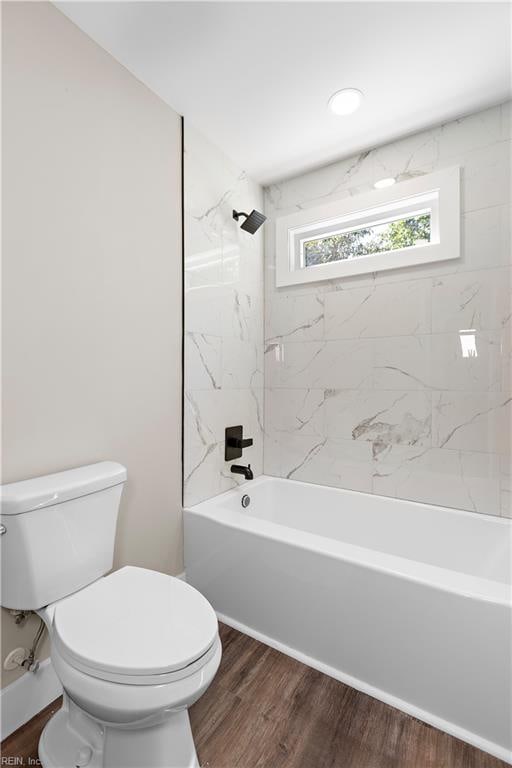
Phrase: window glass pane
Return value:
(385, 236)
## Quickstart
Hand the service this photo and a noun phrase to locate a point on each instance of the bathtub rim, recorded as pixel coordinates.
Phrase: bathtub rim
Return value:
(436, 577)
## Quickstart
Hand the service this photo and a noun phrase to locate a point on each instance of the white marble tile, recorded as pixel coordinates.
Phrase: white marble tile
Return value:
(383, 419)
(290, 317)
(439, 362)
(258, 398)
(353, 281)
(242, 267)
(207, 414)
(505, 343)
(472, 421)
(201, 476)
(299, 411)
(244, 406)
(479, 300)
(347, 364)
(202, 420)
(213, 187)
(506, 120)
(486, 238)
(395, 460)
(240, 365)
(330, 181)
(340, 463)
(224, 274)
(390, 369)
(486, 177)
(343, 364)
(203, 361)
(214, 410)
(469, 133)
(203, 266)
(403, 363)
(451, 367)
(378, 310)
(203, 310)
(458, 479)
(404, 159)
(242, 315)
(506, 321)
(409, 157)
(506, 485)
(293, 365)
(272, 454)
(418, 272)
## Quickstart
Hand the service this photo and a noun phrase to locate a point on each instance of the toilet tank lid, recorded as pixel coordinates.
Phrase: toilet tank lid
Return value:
(45, 491)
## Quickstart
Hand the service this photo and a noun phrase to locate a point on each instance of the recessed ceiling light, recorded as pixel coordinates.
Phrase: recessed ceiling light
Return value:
(383, 183)
(346, 101)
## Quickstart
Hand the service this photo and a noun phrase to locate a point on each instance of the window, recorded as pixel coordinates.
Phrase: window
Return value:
(381, 236)
(383, 229)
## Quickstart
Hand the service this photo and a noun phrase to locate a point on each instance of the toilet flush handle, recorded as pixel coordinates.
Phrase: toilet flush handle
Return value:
(3, 530)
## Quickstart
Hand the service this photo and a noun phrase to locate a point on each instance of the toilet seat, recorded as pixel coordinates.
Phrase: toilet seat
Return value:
(136, 626)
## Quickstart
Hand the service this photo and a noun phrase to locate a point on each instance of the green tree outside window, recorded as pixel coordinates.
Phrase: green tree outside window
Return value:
(403, 233)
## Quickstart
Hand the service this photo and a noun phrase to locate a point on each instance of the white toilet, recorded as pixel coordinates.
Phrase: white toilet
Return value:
(133, 649)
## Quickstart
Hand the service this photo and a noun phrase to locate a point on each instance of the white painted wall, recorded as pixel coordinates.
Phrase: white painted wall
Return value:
(91, 279)
(365, 384)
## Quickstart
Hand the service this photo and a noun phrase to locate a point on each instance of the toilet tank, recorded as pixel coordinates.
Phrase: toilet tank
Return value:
(58, 533)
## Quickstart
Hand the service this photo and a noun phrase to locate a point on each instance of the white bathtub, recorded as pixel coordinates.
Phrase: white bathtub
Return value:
(407, 602)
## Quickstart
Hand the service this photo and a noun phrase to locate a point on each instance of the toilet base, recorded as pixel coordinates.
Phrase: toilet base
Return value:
(71, 738)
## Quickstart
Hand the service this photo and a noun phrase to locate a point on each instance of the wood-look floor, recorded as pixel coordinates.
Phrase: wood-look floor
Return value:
(265, 710)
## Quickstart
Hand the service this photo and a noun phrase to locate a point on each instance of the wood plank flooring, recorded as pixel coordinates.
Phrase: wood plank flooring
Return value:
(265, 710)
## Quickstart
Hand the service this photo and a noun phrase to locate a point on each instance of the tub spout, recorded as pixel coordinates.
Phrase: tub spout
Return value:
(247, 472)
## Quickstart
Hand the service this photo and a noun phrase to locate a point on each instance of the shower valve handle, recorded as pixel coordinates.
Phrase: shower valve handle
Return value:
(236, 442)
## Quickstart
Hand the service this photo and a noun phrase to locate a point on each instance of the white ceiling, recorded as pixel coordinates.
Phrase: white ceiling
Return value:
(255, 77)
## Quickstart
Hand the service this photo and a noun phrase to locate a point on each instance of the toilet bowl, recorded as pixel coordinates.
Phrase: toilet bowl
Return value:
(133, 649)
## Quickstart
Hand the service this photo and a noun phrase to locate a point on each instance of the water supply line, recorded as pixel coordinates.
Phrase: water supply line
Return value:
(31, 664)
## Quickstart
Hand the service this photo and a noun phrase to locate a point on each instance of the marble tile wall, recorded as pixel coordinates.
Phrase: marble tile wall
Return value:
(223, 319)
(366, 386)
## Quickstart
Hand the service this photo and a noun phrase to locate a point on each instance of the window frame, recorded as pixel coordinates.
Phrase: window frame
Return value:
(439, 191)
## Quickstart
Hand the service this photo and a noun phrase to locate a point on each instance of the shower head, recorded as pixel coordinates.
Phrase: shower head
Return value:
(253, 220)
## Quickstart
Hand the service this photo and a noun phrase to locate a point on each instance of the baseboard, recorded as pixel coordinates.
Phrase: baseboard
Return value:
(437, 722)
(27, 696)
